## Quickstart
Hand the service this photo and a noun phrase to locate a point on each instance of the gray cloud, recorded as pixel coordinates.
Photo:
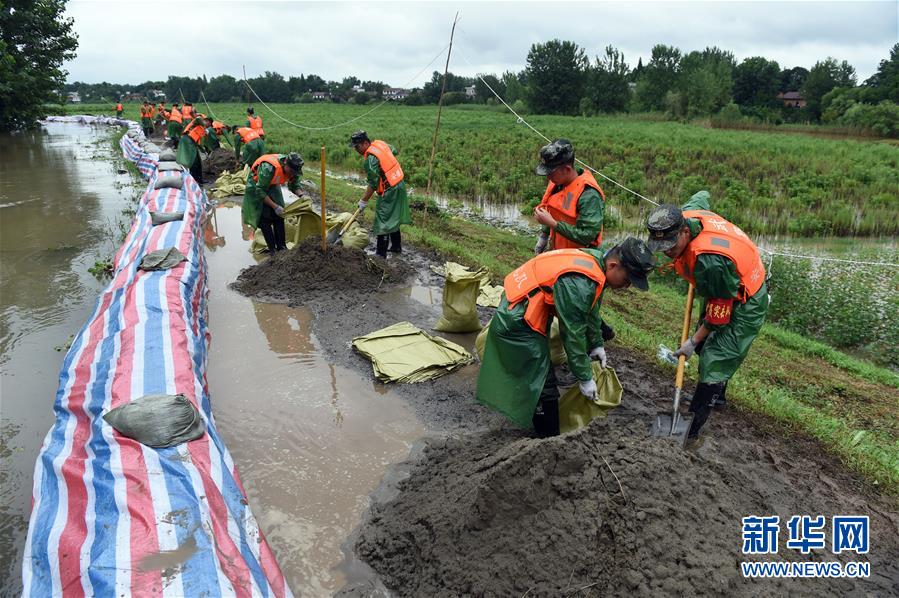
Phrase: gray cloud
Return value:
(131, 42)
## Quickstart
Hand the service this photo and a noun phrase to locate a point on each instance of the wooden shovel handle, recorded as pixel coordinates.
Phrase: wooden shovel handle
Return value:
(350, 221)
(681, 360)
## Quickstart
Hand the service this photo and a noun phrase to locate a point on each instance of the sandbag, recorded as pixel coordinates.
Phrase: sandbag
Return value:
(168, 165)
(163, 217)
(162, 259)
(576, 410)
(169, 181)
(158, 421)
(460, 299)
(168, 155)
(152, 148)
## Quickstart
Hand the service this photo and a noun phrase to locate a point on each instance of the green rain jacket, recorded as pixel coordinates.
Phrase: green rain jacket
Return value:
(391, 208)
(516, 357)
(256, 191)
(590, 210)
(251, 151)
(187, 149)
(716, 278)
(211, 141)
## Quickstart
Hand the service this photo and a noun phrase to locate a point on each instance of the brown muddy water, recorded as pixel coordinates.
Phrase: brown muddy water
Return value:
(311, 440)
(63, 206)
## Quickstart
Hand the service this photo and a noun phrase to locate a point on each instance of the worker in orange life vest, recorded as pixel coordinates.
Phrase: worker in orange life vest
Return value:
(517, 377)
(255, 122)
(726, 269)
(572, 208)
(385, 177)
(119, 109)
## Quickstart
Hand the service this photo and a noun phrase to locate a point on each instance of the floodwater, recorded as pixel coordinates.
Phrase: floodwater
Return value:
(61, 209)
(311, 440)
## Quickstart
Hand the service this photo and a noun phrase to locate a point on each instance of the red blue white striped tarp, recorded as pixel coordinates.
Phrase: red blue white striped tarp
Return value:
(112, 517)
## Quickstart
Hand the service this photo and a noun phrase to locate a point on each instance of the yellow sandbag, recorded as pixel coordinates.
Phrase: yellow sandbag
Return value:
(576, 410)
(460, 299)
(301, 221)
(229, 184)
(481, 341)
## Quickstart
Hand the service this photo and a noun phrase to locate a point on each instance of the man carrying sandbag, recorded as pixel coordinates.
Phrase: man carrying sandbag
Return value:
(384, 175)
(725, 267)
(516, 376)
(263, 202)
(175, 125)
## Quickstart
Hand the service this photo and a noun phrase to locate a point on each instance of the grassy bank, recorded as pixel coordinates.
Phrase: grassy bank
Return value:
(849, 405)
(769, 184)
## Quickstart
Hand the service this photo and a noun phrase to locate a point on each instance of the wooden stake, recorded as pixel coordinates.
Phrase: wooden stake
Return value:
(439, 111)
(324, 227)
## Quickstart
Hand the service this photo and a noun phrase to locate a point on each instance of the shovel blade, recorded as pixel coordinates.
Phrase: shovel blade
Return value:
(662, 427)
(333, 236)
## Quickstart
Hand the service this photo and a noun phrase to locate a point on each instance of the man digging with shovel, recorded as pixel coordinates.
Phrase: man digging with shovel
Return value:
(385, 177)
(516, 376)
(724, 266)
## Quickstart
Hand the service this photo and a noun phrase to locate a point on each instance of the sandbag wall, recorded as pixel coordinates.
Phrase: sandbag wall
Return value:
(112, 517)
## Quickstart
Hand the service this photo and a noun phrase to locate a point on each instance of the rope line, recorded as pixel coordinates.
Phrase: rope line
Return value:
(343, 124)
(521, 120)
(830, 259)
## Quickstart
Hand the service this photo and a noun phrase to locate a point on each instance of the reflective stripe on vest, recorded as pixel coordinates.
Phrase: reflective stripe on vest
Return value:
(279, 178)
(534, 280)
(195, 132)
(388, 162)
(247, 134)
(721, 237)
(562, 205)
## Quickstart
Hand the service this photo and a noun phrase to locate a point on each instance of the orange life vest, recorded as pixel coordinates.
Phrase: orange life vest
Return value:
(255, 123)
(534, 281)
(247, 134)
(175, 115)
(389, 164)
(217, 127)
(195, 131)
(721, 237)
(146, 111)
(562, 205)
(187, 113)
(279, 178)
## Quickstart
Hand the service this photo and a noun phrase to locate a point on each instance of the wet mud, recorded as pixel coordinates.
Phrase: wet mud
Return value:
(218, 161)
(484, 509)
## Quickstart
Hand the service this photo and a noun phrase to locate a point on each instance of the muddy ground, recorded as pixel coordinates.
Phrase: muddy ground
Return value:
(218, 161)
(481, 508)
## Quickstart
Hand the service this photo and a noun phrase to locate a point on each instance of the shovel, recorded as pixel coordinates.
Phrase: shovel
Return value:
(334, 236)
(674, 424)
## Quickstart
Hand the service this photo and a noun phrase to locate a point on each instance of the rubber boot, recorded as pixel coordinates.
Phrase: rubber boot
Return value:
(546, 415)
(381, 247)
(608, 333)
(701, 405)
(396, 243)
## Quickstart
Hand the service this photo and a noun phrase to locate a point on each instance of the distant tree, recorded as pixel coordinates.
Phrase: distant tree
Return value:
(189, 87)
(659, 77)
(35, 40)
(638, 71)
(361, 98)
(223, 88)
(822, 78)
(756, 82)
(271, 87)
(608, 88)
(483, 93)
(792, 79)
(556, 72)
(430, 91)
(705, 82)
(884, 84)
(315, 83)
(375, 88)
(514, 84)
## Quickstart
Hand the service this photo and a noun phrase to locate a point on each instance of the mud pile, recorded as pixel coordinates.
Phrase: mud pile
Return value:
(487, 514)
(291, 275)
(218, 161)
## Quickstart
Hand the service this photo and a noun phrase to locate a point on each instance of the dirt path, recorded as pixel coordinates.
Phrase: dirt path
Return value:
(482, 509)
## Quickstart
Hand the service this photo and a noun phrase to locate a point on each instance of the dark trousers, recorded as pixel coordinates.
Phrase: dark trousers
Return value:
(546, 416)
(272, 227)
(396, 244)
(196, 169)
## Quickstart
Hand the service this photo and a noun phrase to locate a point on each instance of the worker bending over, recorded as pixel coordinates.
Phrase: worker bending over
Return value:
(263, 201)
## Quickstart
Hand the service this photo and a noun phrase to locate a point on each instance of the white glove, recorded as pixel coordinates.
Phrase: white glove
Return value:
(363, 204)
(279, 211)
(542, 240)
(686, 349)
(588, 388)
(599, 354)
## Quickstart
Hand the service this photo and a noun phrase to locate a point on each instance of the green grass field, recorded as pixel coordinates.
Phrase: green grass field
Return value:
(768, 183)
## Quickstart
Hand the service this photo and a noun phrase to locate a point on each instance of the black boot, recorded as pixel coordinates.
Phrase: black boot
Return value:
(546, 416)
(701, 405)
(381, 247)
(608, 333)
(396, 243)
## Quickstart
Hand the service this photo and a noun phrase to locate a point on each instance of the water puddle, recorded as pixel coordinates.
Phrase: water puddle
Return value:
(311, 440)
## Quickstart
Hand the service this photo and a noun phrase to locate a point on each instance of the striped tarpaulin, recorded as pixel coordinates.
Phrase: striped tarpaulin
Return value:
(112, 517)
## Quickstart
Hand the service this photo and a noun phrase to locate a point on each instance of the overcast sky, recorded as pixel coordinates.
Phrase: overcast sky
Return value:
(131, 42)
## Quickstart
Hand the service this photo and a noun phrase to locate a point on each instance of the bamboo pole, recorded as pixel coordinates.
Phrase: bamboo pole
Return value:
(324, 227)
(439, 111)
